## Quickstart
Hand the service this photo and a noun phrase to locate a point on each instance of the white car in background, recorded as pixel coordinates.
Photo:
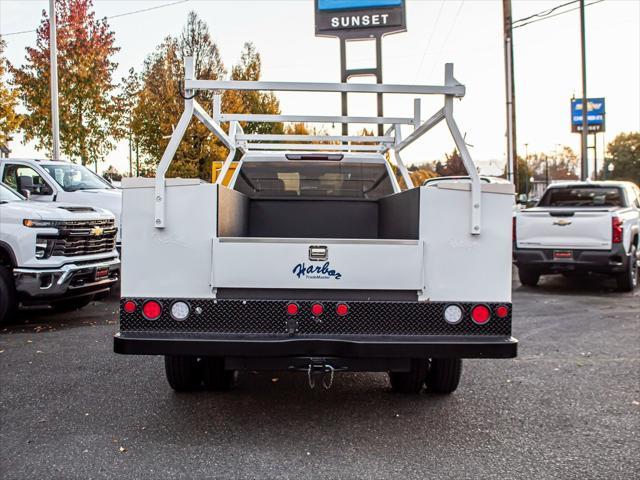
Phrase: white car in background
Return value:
(61, 181)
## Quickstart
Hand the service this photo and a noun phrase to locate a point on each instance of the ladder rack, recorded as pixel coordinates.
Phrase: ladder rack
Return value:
(392, 140)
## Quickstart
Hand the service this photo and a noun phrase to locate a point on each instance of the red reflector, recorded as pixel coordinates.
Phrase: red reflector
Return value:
(292, 309)
(129, 306)
(502, 311)
(342, 309)
(151, 310)
(480, 314)
(317, 309)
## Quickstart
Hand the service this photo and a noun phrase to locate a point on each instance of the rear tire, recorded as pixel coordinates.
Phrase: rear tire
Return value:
(444, 375)
(214, 375)
(528, 277)
(183, 373)
(628, 280)
(8, 300)
(410, 382)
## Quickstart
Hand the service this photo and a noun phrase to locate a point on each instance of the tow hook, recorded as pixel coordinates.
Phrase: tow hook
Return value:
(318, 367)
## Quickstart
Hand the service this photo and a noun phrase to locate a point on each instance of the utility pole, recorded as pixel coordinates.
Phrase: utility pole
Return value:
(53, 60)
(584, 171)
(512, 149)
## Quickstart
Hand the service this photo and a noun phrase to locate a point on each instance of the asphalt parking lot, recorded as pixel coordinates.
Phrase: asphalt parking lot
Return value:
(567, 407)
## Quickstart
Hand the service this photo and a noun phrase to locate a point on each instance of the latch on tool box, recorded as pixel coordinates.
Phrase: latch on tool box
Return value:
(318, 253)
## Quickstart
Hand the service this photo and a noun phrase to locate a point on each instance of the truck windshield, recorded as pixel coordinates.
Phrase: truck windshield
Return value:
(74, 177)
(7, 195)
(582, 197)
(309, 179)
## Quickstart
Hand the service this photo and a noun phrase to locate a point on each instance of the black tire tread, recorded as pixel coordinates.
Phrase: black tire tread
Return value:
(624, 280)
(444, 375)
(8, 299)
(183, 373)
(410, 382)
(528, 277)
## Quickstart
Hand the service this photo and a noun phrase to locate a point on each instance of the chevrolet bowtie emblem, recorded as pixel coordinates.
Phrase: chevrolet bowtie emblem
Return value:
(96, 231)
(562, 223)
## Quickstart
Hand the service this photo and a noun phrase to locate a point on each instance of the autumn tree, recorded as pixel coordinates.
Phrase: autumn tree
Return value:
(624, 154)
(88, 115)
(127, 101)
(9, 118)
(249, 69)
(560, 165)
(452, 166)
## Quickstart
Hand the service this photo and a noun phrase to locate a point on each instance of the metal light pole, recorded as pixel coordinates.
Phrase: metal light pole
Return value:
(53, 59)
(512, 150)
(584, 171)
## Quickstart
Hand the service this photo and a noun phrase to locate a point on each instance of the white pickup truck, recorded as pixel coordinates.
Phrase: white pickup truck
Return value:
(578, 228)
(56, 254)
(312, 259)
(61, 181)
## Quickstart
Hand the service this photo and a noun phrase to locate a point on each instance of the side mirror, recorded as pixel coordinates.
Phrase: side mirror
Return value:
(26, 193)
(25, 183)
(522, 198)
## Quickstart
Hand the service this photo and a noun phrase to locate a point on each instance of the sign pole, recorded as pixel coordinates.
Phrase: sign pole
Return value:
(53, 60)
(584, 172)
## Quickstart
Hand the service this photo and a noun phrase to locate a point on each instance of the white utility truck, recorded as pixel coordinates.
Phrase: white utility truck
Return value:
(313, 259)
(578, 228)
(55, 254)
(61, 181)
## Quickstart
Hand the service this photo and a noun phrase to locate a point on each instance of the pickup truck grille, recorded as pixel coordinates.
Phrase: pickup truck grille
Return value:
(269, 317)
(84, 238)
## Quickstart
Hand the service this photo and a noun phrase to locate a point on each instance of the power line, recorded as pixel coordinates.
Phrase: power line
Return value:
(557, 14)
(157, 7)
(446, 39)
(543, 13)
(435, 27)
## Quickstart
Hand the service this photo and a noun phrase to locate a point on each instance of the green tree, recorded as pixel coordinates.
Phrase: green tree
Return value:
(127, 101)
(624, 154)
(88, 114)
(9, 118)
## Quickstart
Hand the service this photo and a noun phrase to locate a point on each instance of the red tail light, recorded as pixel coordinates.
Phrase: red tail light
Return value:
(317, 309)
(129, 306)
(292, 309)
(342, 309)
(151, 310)
(502, 311)
(513, 229)
(480, 314)
(616, 230)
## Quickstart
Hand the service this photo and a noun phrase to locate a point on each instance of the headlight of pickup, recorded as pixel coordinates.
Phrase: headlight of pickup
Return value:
(40, 223)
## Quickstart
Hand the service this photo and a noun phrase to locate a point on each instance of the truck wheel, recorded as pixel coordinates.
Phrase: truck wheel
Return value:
(444, 375)
(528, 277)
(8, 301)
(214, 375)
(183, 373)
(72, 304)
(628, 280)
(411, 381)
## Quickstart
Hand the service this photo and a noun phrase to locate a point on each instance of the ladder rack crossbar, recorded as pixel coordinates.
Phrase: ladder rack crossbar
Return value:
(315, 147)
(315, 138)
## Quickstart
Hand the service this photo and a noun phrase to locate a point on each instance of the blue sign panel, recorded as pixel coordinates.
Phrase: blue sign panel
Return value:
(595, 111)
(325, 5)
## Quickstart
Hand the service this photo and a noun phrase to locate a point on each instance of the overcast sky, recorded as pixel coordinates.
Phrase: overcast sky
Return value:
(465, 32)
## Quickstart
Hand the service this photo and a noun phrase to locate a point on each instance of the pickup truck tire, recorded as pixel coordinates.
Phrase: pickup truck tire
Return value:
(528, 277)
(628, 280)
(183, 373)
(72, 304)
(214, 375)
(444, 375)
(8, 302)
(412, 381)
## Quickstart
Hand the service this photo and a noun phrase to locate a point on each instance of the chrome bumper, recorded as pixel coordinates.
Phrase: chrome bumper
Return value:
(71, 279)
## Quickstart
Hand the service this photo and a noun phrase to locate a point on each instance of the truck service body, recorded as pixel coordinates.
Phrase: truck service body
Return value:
(315, 261)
